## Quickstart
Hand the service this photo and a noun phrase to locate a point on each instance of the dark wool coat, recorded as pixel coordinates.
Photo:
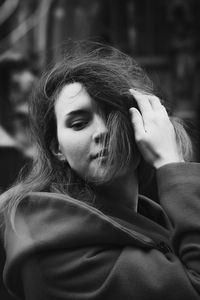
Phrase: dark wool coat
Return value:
(64, 249)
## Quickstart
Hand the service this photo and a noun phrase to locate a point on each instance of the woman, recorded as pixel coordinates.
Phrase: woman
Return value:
(76, 226)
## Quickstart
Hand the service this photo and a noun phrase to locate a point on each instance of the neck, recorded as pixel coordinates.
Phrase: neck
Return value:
(122, 191)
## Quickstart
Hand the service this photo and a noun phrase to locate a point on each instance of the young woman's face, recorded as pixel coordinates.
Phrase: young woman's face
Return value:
(81, 132)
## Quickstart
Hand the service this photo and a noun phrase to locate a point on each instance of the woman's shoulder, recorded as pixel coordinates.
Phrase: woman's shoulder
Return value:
(42, 213)
(45, 220)
(41, 202)
(51, 209)
(49, 220)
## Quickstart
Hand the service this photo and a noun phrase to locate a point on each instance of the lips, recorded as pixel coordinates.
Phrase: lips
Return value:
(100, 154)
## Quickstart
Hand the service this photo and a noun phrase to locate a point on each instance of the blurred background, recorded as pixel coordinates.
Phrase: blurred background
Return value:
(162, 35)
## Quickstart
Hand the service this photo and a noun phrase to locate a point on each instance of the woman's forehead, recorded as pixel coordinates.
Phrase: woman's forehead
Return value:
(72, 89)
(73, 96)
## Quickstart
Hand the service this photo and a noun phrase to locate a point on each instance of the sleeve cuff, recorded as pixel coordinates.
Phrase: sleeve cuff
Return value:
(176, 175)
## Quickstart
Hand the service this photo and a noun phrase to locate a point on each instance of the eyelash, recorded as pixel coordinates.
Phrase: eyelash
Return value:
(79, 124)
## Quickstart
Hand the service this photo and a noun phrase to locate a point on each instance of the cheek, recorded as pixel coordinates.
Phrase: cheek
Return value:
(71, 150)
(74, 147)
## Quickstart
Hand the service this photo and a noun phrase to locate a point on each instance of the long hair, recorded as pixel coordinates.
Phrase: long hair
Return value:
(107, 74)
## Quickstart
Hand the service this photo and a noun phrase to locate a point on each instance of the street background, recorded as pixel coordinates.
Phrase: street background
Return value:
(162, 35)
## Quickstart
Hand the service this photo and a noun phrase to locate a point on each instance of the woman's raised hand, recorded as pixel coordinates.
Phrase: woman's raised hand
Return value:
(154, 132)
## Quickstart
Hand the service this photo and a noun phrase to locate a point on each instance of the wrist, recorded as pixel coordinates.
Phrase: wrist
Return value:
(160, 163)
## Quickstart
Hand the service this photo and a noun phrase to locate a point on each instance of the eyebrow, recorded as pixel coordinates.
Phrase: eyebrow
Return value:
(77, 112)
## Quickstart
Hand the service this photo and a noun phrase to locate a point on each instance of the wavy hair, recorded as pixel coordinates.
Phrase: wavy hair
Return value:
(107, 74)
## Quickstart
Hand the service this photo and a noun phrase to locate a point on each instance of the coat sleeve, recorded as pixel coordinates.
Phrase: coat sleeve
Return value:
(179, 194)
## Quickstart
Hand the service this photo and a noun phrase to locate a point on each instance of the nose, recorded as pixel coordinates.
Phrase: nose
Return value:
(100, 129)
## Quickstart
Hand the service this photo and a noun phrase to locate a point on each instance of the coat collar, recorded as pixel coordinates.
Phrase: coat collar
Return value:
(46, 217)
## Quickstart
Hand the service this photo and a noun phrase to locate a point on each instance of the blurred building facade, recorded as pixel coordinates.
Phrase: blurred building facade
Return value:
(163, 36)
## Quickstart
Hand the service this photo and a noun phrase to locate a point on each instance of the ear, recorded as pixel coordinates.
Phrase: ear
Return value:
(60, 156)
(56, 151)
